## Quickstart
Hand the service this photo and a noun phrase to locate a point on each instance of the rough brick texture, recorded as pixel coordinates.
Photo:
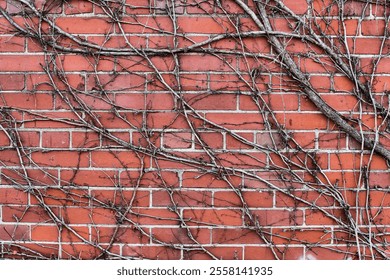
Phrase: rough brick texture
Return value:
(156, 129)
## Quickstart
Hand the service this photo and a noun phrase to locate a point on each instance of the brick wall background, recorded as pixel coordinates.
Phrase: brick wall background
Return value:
(189, 129)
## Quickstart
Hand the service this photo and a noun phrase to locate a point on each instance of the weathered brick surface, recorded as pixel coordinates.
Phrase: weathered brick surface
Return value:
(147, 129)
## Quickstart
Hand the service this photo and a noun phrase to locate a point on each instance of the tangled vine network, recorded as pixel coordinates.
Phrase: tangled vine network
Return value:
(194, 129)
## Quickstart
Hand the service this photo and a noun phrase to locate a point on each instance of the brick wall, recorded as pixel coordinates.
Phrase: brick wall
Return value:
(190, 129)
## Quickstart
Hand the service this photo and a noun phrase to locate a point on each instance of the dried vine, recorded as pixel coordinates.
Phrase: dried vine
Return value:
(151, 135)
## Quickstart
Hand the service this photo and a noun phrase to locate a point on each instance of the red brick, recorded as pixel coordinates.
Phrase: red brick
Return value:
(343, 84)
(365, 46)
(303, 139)
(236, 236)
(321, 83)
(121, 197)
(38, 82)
(228, 82)
(178, 140)
(277, 217)
(146, 140)
(266, 253)
(4, 139)
(379, 179)
(147, 25)
(277, 102)
(293, 236)
(12, 196)
(11, 44)
(45, 233)
(373, 28)
(52, 119)
(232, 143)
(64, 196)
(302, 121)
(41, 176)
(33, 250)
(283, 83)
(29, 138)
(204, 180)
(281, 24)
(231, 7)
(26, 214)
(126, 159)
(77, 7)
(11, 82)
(252, 199)
(316, 217)
(85, 252)
(380, 10)
(212, 140)
(317, 65)
(90, 101)
(297, 7)
(154, 216)
(193, 82)
(333, 253)
(247, 24)
(170, 120)
(85, 139)
(220, 252)
(139, 64)
(347, 161)
(11, 158)
(182, 235)
(81, 63)
(82, 25)
(241, 121)
(79, 215)
(332, 141)
(160, 179)
(75, 234)
(152, 252)
(61, 159)
(299, 160)
(55, 139)
(118, 41)
(383, 66)
(297, 198)
(205, 63)
(125, 82)
(196, 7)
(348, 27)
(190, 40)
(119, 234)
(198, 157)
(137, 101)
(270, 139)
(142, 7)
(21, 63)
(118, 139)
(204, 25)
(247, 160)
(226, 44)
(185, 198)
(214, 217)
(211, 101)
(88, 178)
(356, 9)
(379, 85)
(111, 121)
(37, 101)
(14, 232)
